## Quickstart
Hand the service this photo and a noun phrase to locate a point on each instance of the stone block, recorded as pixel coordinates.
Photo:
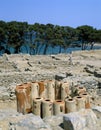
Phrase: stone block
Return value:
(81, 120)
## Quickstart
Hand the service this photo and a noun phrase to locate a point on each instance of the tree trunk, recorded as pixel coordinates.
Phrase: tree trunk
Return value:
(45, 49)
(60, 49)
(17, 49)
(92, 45)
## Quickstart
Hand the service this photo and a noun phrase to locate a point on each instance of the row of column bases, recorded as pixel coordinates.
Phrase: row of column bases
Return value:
(50, 97)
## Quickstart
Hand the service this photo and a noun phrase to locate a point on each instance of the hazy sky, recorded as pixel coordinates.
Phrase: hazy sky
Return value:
(59, 12)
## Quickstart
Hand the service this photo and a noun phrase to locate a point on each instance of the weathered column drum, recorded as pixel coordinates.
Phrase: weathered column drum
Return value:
(51, 89)
(80, 102)
(57, 89)
(81, 90)
(70, 105)
(23, 95)
(68, 97)
(47, 108)
(58, 107)
(87, 100)
(34, 90)
(42, 89)
(64, 90)
(36, 107)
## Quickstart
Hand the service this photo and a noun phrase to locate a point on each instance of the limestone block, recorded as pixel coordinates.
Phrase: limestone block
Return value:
(81, 120)
(97, 111)
(56, 122)
(28, 122)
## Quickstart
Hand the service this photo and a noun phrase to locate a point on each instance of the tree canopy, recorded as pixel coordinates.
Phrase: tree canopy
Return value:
(37, 36)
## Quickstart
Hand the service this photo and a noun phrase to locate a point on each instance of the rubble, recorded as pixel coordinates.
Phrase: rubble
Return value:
(16, 69)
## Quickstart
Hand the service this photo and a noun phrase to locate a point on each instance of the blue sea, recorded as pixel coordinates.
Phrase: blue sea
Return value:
(50, 50)
(56, 49)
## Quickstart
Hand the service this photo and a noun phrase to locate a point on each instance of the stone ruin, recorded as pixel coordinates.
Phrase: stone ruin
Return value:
(50, 97)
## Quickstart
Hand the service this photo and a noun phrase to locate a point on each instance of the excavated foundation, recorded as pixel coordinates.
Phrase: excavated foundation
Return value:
(50, 97)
